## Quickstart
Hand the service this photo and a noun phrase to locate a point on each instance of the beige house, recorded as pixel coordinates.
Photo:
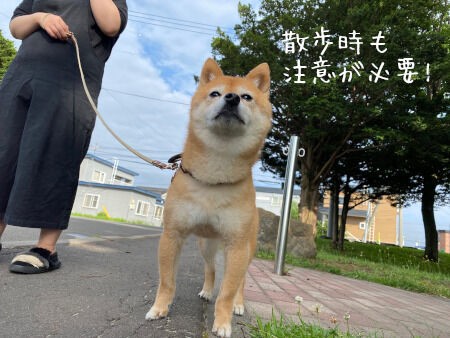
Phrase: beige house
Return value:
(444, 240)
(370, 221)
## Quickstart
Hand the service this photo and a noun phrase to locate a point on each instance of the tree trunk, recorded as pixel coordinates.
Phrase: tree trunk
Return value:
(336, 218)
(335, 202)
(429, 223)
(308, 206)
(344, 214)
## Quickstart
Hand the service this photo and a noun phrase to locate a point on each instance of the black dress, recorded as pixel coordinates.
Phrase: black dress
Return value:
(46, 121)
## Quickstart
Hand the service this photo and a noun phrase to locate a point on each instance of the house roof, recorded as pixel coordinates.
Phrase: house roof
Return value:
(351, 212)
(156, 196)
(160, 191)
(110, 164)
(275, 190)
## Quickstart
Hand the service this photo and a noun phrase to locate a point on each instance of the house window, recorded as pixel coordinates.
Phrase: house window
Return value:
(91, 201)
(276, 200)
(98, 176)
(158, 212)
(122, 180)
(362, 225)
(142, 208)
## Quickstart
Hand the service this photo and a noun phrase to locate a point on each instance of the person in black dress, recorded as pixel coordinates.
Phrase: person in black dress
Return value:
(45, 118)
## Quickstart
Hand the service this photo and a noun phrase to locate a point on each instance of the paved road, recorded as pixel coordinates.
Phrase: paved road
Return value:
(105, 287)
(109, 279)
(79, 229)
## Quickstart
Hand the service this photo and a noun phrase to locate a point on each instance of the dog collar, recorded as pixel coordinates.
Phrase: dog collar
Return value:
(185, 171)
(178, 158)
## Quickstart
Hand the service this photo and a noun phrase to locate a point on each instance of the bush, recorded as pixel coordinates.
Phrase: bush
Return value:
(102, 214)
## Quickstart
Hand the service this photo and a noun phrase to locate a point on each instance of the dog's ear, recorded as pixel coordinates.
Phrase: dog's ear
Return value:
(260, 75)
(210, 71)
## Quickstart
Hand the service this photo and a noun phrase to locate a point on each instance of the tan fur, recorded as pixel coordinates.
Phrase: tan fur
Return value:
(217, 201)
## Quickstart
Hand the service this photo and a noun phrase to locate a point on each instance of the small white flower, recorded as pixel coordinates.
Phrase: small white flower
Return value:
(347, 316)
(298, 299)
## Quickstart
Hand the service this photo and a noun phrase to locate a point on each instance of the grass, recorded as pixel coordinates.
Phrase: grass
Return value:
(103, 216)
(282, 328)
(402, 268)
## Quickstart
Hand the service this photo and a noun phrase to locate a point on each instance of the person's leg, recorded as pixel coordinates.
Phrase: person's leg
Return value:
(14, 94)
(52, 147)
(2, 228)
(48, 239)
(43, 194)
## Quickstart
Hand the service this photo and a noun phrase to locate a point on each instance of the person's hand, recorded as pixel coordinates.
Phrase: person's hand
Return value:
(55, 26)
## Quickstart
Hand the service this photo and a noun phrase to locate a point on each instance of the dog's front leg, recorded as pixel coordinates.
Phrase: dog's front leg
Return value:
(236, 263)
(208, 248)
(169, 251)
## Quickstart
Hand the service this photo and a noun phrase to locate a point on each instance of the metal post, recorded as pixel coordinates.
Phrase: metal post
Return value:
(368, 215)
(283, 227)
(400, 226)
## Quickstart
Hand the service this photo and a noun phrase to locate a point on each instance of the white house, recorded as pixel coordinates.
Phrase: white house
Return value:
(96, 169)
(106, 187)
(271, 199)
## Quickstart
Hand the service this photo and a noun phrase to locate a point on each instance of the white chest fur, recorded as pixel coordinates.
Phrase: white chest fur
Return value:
(208, 210)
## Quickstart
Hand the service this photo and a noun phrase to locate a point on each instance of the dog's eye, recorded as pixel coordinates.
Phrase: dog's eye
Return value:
(246, 97)
(214, 94)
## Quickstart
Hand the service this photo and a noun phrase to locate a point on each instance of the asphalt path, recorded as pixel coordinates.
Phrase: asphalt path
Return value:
(106, 285)
(79, 229)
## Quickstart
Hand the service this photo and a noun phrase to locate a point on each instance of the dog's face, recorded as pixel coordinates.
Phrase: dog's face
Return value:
(232, 109)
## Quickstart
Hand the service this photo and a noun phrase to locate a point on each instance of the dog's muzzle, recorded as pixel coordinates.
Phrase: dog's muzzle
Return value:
(230, 109)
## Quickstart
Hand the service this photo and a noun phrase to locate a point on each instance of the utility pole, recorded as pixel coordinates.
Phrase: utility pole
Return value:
(400, 226)
(114, 170)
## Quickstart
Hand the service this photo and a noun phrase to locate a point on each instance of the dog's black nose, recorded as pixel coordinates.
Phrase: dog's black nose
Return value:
(232, 99)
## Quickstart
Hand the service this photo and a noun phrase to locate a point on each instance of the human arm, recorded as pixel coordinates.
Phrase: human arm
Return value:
(23, 25)
(107, 16)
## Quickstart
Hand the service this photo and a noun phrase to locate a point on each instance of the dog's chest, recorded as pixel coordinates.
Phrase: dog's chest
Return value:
(209, 213)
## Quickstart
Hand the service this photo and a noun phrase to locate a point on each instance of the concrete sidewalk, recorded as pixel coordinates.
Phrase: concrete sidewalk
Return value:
(373, 308)
(106, 286)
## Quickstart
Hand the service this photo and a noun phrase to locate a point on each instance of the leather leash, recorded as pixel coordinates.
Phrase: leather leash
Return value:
(161, 165)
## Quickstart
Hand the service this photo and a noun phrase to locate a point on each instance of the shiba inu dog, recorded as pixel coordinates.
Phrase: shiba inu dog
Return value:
(212, 194)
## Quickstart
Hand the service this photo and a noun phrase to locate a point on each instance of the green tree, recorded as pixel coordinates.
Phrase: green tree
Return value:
(408, 152)
(322, 113)
(334, 118)
(7, 54)
(416, 160)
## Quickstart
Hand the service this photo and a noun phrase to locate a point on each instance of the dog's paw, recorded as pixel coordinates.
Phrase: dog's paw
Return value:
(238, 309)
(206, 295)
(222, 330)
(156, 313)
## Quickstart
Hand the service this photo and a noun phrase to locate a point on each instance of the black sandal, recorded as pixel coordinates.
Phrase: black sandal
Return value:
(36, 260)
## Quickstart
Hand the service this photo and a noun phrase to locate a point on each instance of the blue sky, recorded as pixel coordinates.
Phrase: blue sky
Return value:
(148, 84)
